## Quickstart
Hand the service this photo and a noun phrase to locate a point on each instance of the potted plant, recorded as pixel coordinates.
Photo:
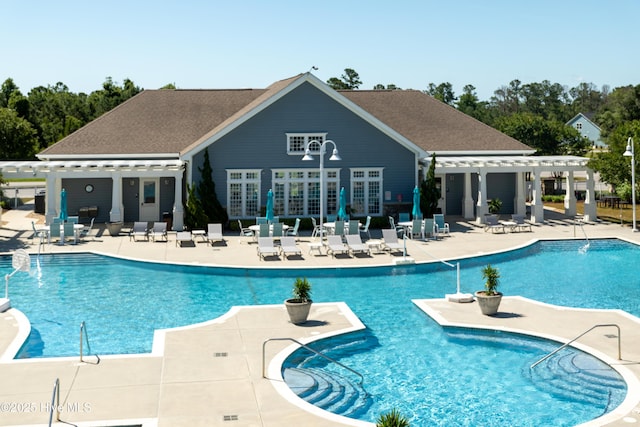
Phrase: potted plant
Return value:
(494, 206)
(392, 419)
(489, 299)
(298, 307)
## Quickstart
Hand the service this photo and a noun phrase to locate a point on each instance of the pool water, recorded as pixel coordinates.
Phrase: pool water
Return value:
(107, 293)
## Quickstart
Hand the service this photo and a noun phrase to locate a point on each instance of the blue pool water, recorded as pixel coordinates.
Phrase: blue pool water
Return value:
(107, 294)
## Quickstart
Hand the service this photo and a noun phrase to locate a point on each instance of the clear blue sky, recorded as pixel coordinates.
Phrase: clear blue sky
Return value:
(240, 44)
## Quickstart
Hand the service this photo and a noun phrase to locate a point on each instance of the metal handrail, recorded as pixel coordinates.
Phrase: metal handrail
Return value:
(83, 332)
(55, 402)
(579, 336)
(264, 344)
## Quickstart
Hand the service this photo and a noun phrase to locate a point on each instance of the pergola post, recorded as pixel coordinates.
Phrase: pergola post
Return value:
(570, 196)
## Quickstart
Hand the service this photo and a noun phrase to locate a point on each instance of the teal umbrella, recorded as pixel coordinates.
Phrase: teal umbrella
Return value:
(63, 205)
(416, 203)
(270, 206)
(342, 212)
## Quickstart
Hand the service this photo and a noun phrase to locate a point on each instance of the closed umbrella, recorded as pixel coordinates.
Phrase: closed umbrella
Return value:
(63, 205)
(342, 212)
(416, 203)
(270, 206)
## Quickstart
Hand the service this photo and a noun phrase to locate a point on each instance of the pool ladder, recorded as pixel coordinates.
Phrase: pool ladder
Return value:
(83, 334)
(55, 402)
(579, 336)
(264, 344)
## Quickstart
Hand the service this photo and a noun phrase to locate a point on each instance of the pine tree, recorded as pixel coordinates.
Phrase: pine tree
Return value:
(207, 194)
(194, 216)
(429, 192)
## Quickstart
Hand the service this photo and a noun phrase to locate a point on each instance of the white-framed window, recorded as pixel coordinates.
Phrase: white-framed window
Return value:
(296, 192)
(297, 142)
(366, 191)
(243, 192)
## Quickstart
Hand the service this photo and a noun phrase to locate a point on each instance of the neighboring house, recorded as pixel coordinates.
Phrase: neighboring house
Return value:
(588, 130)
(133, 163)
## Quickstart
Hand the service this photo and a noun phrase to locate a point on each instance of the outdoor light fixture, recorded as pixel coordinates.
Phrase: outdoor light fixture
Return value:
(630, 152)
(334, 157)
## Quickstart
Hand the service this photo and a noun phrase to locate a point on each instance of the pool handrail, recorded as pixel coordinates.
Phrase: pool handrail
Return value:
(264, 344)
(83, 332)
(579, 336)
(55, 402)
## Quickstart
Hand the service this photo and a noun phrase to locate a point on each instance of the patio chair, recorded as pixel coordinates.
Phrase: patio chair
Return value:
(430, 229)
(40, 234)
(247, 232)
(334, 244)
(264, 230)
(390, 241)
(416, 229)
(69, 233)
(159, 231)
(398, 230)
(214, 233)
(404, 217)
(491, 223)
(86, 231)
(338, 228)
(442, 228)
(365, 228)
(73, 219)
(261, 220)
(294, 231)
(520, 222)
(318, 231)
(277, 232)
(266, 247)
(288, 246)
(354, 227)
(139, 230)
(356, 246)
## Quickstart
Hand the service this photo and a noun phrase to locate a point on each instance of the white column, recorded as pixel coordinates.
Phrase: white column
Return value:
(537, 208)
(116, 213)
(468, 199)
(178, 208)
(51, 211)
(481, 205)
(570, 196)
(590, 213)
(520, 202)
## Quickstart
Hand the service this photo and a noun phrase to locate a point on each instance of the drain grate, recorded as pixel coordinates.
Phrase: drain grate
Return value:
(230, 418)
(220, 354)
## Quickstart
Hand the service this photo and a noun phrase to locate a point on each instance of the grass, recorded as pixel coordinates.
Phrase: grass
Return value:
(624, 215)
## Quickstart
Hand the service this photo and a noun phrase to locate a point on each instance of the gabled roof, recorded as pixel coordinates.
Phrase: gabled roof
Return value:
(169, 123)
(583, 116)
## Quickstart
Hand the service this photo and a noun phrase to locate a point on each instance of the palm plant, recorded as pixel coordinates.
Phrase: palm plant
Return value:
(392, 419)
(301, 290)
(492, 277)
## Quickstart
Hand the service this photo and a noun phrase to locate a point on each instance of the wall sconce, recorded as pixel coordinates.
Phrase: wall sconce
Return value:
(132, 182)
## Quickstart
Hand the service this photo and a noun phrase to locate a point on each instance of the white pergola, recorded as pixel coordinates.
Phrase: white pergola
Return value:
(117, 170)
(520, 165)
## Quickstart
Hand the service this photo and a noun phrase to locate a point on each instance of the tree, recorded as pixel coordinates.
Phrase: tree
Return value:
(391, 86)
(613, 167)
(18, 139)
(443, 92)
(471, 105)
(207, 194)
(350, 80)
(194, 216)
(429, 192)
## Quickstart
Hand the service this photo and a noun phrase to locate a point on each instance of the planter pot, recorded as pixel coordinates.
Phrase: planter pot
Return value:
(114, 228)
(298, 311)
(488, 303)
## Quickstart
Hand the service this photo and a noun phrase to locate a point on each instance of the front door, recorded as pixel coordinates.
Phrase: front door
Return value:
(149, 206)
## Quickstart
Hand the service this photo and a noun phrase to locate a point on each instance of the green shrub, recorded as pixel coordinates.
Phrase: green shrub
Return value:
(392, 419)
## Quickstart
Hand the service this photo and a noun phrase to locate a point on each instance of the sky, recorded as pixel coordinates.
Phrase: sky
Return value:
(215, 44)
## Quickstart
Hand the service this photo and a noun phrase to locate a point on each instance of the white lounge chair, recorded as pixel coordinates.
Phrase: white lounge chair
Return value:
(288, 246)
(139, 230)
(214, 233)
(159, 231)
(390, 239)
(266, 247)
(355, 245)
(334, 244)
(491, 223)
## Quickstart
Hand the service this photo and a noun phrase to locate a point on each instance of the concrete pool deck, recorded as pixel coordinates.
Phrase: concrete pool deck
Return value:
(211, 374)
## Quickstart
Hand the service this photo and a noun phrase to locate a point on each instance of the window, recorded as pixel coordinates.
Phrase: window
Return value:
(243, 193)
(366, 191)
(297, 192)
(579, 126)
(297, 142)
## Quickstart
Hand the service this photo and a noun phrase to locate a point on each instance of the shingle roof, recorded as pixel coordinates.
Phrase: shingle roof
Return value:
(157, 122)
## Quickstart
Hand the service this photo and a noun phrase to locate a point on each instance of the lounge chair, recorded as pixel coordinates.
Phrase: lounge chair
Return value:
(214, 233)
(288, 246)
(139, 230)
(520, 222)
(391, 242)
(441, 227)
(365, 228)
(159, 231)
(491, 223)
(355, 245)
(334, 244)
(266, 247)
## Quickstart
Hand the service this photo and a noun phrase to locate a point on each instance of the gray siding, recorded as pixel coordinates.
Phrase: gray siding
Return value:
(78, 198)
(502, 186)
(261, 144)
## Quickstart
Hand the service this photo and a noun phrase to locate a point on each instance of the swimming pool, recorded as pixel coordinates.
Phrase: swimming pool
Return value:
(106, 292)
